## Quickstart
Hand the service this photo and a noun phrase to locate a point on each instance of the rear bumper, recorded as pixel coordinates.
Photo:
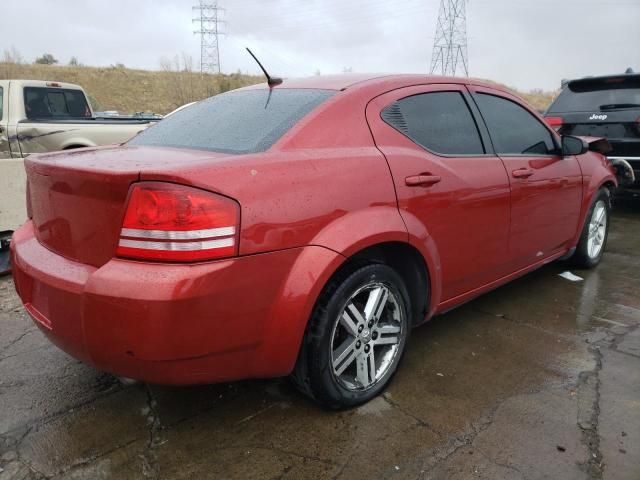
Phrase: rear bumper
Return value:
(174, 324)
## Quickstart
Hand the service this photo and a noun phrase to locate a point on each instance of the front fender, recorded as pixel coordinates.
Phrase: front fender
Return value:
(596, 171)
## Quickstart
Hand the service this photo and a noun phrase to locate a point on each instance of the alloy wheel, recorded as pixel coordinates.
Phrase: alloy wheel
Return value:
(366, 337)
(597, 229)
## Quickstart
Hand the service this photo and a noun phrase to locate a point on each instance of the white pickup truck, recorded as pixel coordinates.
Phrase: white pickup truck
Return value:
(36, 117)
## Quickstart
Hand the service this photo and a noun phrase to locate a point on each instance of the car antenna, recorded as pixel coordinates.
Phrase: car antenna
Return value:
(271, 81)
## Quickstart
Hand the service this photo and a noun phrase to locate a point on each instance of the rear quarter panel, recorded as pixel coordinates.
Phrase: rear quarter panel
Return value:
(302, 192)
(299, 198)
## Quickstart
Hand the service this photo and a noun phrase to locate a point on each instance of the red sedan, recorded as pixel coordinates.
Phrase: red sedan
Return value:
(302, 229)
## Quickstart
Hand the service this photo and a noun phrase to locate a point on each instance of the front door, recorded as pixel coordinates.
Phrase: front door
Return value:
(546, 188)
(446, 180)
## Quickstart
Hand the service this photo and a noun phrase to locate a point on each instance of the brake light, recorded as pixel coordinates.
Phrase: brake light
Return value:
(555, 122)
(169, 222)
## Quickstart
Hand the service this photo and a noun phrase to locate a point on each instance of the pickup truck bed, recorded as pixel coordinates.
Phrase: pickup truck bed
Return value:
(40, 117)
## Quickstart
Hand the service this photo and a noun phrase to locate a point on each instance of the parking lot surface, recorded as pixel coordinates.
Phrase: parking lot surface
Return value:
(538, 379)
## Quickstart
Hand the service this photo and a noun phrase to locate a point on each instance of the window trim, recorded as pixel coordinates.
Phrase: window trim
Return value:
(558, 150)
(488, 152)
(1, 102)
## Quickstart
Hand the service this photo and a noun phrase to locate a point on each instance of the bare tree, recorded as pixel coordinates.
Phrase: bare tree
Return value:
(11, 59)
(12, 55)
(186, 85)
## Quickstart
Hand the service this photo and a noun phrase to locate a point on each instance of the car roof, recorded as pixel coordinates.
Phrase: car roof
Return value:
(392, 81)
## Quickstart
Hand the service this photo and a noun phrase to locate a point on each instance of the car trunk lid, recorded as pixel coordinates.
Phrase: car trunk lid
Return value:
(77, 199)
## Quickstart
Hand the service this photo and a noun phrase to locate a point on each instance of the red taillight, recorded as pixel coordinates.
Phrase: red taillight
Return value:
(555, 122)
(171, 222)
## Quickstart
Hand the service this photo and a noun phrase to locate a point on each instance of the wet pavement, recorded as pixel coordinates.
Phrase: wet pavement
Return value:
(538, 379)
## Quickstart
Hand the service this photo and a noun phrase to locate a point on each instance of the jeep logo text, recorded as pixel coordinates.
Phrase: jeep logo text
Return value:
(595, 116)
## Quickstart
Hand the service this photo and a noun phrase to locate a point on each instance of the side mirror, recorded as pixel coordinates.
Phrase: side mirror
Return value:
(573, 146)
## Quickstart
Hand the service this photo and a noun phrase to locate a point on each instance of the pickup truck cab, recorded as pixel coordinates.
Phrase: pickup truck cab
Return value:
(38, 117)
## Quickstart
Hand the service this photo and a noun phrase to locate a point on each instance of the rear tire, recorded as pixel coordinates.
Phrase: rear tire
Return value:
(355, 338)
(595, 232)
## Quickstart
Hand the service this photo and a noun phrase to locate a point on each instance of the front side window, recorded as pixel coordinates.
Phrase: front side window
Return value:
(513, 129)
(42, 102)
(439, 121)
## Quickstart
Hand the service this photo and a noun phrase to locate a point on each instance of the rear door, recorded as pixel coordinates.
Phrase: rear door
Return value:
(446, 179)
(546, 188)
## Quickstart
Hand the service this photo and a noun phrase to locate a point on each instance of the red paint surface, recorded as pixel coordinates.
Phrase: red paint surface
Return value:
(331, 187)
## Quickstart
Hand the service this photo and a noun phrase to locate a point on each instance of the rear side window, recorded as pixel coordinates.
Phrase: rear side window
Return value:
(598, 95)
(439, 121)
(234, 122)
(55, 103)
(513, 129)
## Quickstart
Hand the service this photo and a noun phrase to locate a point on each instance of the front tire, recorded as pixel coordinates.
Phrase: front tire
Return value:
(595, 232)
(355, 338)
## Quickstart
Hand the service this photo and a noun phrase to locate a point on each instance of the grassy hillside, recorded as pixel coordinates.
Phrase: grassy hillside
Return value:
(539, 99)
(128, 91)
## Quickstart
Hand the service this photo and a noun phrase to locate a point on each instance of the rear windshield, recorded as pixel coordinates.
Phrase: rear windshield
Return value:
(234, 122)
(589, 95)
(55, 103)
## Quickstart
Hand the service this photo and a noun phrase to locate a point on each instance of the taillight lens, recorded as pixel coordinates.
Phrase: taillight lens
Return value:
(172, 222)
(555, 122)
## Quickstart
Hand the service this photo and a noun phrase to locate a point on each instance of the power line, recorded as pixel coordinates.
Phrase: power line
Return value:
(208, 27)
(450, 44)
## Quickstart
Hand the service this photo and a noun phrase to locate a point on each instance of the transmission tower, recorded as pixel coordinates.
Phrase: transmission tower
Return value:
(208, 25)
(450, 45)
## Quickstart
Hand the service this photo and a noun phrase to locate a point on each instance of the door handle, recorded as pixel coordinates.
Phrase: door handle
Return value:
(425, 180)
(522, 173)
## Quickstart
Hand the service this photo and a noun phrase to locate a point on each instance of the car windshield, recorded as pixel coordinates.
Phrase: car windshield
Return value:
(235, 122)
(594, 95)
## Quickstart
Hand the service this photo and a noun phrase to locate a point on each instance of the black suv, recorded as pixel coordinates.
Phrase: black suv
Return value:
(604, 107)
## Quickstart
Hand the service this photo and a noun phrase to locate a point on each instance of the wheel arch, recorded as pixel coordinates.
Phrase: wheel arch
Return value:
(591, 190)
(376, 234)
(77, 143)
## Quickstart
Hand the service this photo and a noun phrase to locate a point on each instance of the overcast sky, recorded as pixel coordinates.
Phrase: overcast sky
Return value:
(523, 43)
